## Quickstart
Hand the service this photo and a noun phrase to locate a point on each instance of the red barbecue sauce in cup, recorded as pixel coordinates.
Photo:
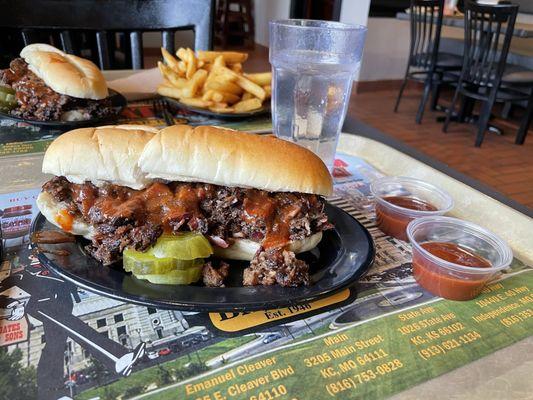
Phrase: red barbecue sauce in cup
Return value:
(431, 277)
(394, 223)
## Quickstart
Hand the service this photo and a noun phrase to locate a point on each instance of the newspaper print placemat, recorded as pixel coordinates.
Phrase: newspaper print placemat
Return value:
(382, 336)
(18, 138)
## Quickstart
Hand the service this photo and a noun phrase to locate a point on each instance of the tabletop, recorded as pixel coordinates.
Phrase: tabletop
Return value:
(521, 29)
(211, 356)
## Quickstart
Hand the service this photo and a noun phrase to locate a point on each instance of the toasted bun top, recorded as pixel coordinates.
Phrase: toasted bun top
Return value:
(65, 73)
(231, 158)
(100, 155)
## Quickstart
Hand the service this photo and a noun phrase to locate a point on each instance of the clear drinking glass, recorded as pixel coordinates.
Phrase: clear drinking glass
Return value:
(313, 65)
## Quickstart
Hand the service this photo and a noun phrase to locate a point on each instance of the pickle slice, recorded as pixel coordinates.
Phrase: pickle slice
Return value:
(184, 246)
(6, 89)
(175, 277)
(8, 98)
(146, 263)
(7, 101)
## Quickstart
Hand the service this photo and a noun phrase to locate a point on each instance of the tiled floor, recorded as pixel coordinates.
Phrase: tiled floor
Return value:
(499, 163)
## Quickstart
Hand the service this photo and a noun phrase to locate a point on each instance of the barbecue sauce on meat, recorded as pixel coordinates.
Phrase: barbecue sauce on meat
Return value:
(124, 217)
(52, 237)
(259, 205)
(161, 204)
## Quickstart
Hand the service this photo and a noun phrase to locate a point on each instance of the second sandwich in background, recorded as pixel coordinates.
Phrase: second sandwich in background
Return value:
(134, 191)
(48, 84)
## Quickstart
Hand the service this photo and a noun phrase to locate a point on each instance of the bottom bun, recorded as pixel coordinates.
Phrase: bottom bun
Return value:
(244, 249)
(51, 210)
(241, 249)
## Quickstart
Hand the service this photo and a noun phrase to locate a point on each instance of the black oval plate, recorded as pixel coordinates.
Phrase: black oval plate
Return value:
(344, 254)
(117, 100)
(203, 111)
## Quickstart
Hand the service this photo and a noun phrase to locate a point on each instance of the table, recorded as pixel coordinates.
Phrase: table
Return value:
(522, 30)
(479, 379)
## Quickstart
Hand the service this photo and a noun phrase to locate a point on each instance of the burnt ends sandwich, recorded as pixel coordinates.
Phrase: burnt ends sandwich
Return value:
(50, 85)
(165, 201)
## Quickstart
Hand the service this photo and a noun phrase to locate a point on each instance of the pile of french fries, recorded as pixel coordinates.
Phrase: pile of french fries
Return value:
(213, 80)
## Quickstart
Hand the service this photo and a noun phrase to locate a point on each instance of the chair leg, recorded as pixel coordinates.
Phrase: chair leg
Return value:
(451, 109)
(462, 109)
(466, 109)
(424, 100)
(469, 109)
(435, 96)
(483, 122)
(401, 90)
(507, 109)
(526, 121)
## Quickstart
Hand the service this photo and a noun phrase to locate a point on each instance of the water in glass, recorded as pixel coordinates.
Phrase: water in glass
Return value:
(310, 98)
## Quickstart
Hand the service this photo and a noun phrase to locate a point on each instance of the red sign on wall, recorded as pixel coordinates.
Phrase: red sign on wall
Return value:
(12, 332)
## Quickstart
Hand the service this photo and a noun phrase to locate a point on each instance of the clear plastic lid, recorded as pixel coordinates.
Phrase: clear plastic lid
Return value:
(465, 234)
(410, 187)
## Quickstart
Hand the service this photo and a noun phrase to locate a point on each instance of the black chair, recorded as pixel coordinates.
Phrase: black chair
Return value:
(488, 34)
(425, 63)
(100, 27)
(520, 80)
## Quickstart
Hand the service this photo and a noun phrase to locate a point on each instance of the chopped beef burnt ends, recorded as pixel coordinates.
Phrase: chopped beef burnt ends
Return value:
(124, 217)
(214, 277)
(39, 102)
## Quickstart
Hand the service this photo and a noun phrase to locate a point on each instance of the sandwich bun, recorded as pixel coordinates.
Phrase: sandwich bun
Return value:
(136, 155)
(231, 158)
(107, 154)
(51, 209)
(65, 73)
(245, 249)
(241, 249)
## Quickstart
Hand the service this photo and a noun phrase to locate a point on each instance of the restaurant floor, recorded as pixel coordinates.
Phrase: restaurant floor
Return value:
(499, 163)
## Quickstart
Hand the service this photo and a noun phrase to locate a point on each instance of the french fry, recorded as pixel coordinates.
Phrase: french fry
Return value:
(169, 91)
(208, 95)
(247, 96)
(195, 83)
(182, 54)
(196, 102)
(182, 67)
(170, 60)
(223, 97)
(237, 67)
(223, 86)
(213, 80)
(247, 105)
(219, 62)
(243, 82)
(171, 75)
(163, 69)
(191, 64)
(261, 78)
(251, 87)
(231, 57)
(217, 96)
(221, 108)
(224, 73)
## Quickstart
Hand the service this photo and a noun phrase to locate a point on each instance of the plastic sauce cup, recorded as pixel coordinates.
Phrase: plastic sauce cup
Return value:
(393, 219)
(446, 279)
